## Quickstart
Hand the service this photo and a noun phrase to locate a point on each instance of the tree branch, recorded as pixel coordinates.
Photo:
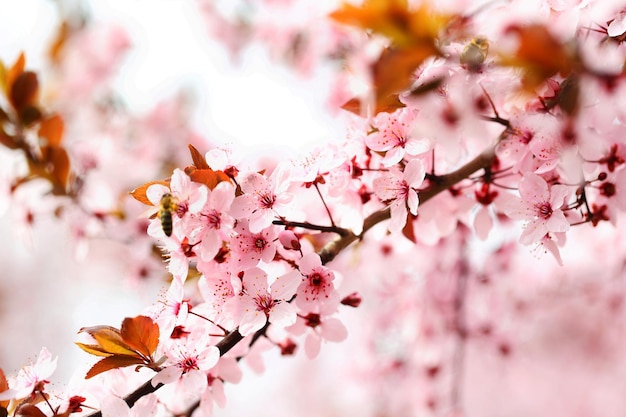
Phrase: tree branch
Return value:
(334, 247)
(443, 182)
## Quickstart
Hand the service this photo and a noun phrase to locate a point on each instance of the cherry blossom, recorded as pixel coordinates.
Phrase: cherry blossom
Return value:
(541, 205)
(263, 199)
(113, 406)
(31, 379)
(213, 221)
(253, 247)
(400, 189)
(187, 362)
(257, 305)
(317, 289)
(393, 136)
(318, 328)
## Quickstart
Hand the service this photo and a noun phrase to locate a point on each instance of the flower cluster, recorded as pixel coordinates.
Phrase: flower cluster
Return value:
(510, 126)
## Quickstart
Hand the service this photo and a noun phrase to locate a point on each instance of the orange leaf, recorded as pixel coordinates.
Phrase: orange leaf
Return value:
(141, 334)
(539, 54)
(95, 350)
(110, 340)
(29, 410)
(8, 140)
(394, 19)
(207, 177)
(14, 71)
(4, 385)
(24, 90)
(51, 129)
(197, 158)
(113, 362)
(139, 193)
(62, 35)
(60, 161)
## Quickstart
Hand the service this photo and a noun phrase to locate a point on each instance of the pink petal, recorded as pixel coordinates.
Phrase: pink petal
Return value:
(483, 223)
(333, 330)
(534, 189)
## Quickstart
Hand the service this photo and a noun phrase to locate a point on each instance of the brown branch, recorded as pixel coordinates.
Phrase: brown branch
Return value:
(334, 247)
(443, 182)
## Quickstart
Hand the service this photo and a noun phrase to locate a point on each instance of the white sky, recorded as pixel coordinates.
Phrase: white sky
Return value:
(255, 103)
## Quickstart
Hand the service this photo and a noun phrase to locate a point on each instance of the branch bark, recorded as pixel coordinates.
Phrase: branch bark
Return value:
(334, 247)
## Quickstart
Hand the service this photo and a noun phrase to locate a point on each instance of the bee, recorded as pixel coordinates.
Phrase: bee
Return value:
(475, 53)
(168, 207)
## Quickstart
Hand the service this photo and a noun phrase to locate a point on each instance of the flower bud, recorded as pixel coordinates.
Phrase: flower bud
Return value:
(289, 240)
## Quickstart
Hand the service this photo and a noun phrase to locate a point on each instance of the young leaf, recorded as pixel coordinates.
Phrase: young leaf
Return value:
(141, 334)
(51, 129)
(60, 163)
(8, 140)
(207, 177)
(113, 362)
(95, 350)
(139, 193)
(13, 72)
(24, 90)
(110, 340)
(29, 410)
(4, 385)
(539, 54)
(197, 158)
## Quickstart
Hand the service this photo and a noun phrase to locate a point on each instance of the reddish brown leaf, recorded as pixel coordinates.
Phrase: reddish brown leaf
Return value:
(4, 385)
(139, 193)
(60, 172)
(14, 72)
(207, 177)
(197, 158)
(51, 129)
(405, 26)
(388, 105)
(539, 54)
(141, 334)
(29, 115)
(8, 140)
(29, 410)
(113, 362)
(24, 90)
(409, 231)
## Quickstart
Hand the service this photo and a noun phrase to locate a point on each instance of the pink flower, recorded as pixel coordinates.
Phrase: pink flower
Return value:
(187, 363)
(317, 290)
(213, 221)
(541, 206)
(399, 188)
(256, 304)
(173, 308)
(318, 328)
(31, 378)
(263, 197)
(393, 136)
(117, 407)
(251, 248)
(216, 288)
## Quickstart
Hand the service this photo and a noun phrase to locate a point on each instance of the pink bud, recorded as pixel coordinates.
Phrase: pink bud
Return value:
(289, 240)
(287, 347)
(352, 300)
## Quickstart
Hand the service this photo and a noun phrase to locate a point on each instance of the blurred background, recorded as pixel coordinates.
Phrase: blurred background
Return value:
(136, 81)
